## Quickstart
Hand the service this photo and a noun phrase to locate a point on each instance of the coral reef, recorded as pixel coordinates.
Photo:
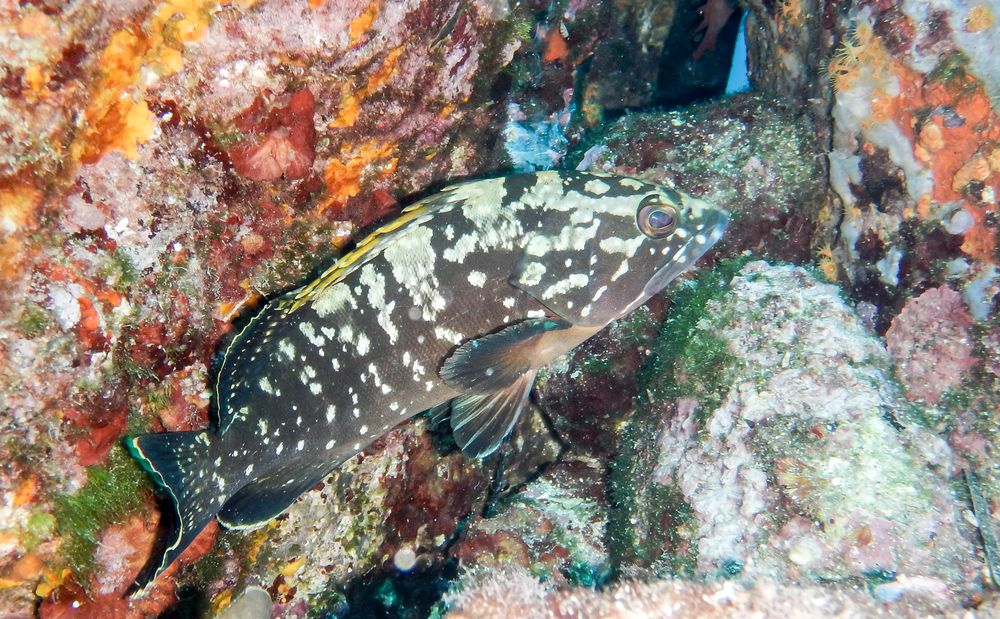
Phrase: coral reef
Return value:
(167, 164)
(164, 165)
(775, 444)
(914, 129)
(553, 526)
(931, 344)
(406, 499)
(515, 593)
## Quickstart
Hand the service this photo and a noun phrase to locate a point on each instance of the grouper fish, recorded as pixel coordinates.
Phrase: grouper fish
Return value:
(461, 299)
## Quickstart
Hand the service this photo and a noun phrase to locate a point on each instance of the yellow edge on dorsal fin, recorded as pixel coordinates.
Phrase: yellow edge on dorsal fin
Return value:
(349, 261)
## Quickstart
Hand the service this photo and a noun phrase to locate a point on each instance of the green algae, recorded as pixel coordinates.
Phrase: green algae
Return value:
(39, 528)
(952, 70)
(112, 492)
(634, 500)
(33, 321)
(596, 365)
(685, 361)
(119, 272)
(688, 361)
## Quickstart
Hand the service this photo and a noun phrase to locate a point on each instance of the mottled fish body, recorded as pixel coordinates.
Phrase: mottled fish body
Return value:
(462, 299)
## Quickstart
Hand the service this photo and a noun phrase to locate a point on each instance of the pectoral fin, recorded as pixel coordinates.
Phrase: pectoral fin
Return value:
(494, 362)
(480, 421)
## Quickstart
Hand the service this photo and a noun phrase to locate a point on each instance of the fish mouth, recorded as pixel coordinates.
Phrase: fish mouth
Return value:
(716, 221)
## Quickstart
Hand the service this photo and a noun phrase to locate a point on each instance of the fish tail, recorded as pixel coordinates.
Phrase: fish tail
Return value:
(179, 462)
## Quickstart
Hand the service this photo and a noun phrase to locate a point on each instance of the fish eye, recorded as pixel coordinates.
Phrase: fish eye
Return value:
(655, 218)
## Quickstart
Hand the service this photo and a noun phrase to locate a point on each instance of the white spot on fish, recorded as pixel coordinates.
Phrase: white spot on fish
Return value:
(300, 445)
(363, 344)
(248, 470)
(600, 292)
(477, 278)
(363, 429)
(309, 331)
(615, 245)
(331, 412)
(597, 187)
(576, 280)
(532, 274)
(412, 257)
(279, 449)
(346, 334)
(330, 443)
(448, 335)
(622, 270)
(287, 348)
(509, 302)
(265, 385)
(375, 282)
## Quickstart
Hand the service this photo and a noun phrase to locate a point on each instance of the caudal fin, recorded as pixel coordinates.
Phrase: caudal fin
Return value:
(179, 462)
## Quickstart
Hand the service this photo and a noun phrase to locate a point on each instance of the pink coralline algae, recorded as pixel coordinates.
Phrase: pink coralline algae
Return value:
(279, 144)
(930, 344)
(516, 593)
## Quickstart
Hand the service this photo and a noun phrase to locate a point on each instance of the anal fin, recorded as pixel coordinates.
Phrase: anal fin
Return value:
(265, 497)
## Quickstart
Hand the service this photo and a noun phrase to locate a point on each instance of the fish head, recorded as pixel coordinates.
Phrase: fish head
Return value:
(623, 241)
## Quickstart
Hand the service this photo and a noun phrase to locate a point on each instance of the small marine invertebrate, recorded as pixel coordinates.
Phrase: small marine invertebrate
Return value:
(930, 344)
(859, 52)
(715, 14)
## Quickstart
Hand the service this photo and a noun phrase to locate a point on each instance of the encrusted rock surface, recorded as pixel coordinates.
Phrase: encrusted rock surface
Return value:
(515, 593)
(775, 443)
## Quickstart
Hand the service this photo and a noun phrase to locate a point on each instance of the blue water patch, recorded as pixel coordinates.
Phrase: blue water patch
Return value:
(739, 80)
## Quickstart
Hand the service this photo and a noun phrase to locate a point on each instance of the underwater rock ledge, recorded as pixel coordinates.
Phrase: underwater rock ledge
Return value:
(775, 443)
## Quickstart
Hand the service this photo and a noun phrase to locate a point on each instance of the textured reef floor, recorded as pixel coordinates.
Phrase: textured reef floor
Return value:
(805, 425)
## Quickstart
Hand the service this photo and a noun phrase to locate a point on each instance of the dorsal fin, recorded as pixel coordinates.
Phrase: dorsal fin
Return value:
(365, 249)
